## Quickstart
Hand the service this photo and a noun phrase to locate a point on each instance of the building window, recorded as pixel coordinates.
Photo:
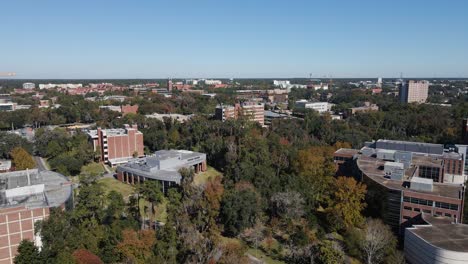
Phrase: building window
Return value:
(407, 208)
(417, 201)
(426, 211)
(429, 173)
(417, 210)
(446, 206)
(448, 215)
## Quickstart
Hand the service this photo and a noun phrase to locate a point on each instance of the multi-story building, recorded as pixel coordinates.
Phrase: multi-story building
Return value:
(270, 96)
(6, 104)
(437, 240)
(252, 110)
(406, 179)
(368, 107)
(163, 166)
(213, 82)
(320, 107)
(25, 198)
(29, 86)
(117, 146)
(414, 91)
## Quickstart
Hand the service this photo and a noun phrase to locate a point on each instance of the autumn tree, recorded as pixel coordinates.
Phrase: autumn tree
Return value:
(347, 201)
(315, 168)
(83, 256)
(21, 159)
(137, 246)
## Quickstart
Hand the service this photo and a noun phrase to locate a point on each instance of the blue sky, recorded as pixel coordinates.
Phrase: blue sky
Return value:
(243, 38)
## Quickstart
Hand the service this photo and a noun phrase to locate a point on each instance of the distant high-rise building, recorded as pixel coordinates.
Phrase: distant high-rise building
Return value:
(414, 91)
(379, 82)
(169, 84)
(465, 131)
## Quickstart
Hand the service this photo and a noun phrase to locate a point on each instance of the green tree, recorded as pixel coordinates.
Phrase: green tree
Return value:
(28, 253)
(240, 208)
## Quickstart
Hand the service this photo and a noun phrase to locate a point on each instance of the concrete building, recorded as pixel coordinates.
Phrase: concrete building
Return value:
(252, 110)
(5, 165)
(117, 146)
(29, 86)
(124, 109)
(6, 104)
(213, 82)
(368, 107)
(178, 117)
(320, 107)
(406, 179)
(270, 116)
(25, 198)
(414, 91)
(163, 166)
(269, 96)
(60, 85)
(437, 241)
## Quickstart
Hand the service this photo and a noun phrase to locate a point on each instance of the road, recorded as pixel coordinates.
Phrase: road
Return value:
(40, 163)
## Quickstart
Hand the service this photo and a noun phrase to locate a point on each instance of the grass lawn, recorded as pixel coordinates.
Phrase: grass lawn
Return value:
(261, 256)
(111, 184)
(203, 177)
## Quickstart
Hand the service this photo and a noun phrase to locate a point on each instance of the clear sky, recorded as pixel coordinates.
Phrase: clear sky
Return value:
(242, 38)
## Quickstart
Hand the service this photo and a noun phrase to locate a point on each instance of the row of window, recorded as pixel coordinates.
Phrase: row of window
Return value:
(430, 203)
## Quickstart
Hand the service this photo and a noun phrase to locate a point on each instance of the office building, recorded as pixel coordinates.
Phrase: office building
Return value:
(25, 198)
(29, 86)
(5, 165)
(406, 179)
(162, 166)
(253, 111)
(414, 91)
(320, 107)
(117, 146)
(169, 85)
(6, 104)
(437, 240)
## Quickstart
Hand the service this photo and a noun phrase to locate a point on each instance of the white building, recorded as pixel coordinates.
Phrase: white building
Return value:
(60, 85)
(320, 107)
(283, 84)
(213, 82)
(29, 86)
(318, 86)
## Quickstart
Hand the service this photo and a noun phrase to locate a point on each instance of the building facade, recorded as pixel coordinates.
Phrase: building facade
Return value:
(251, 110)
(117, 146)
(414, 91)
(320, 107)
(163, 166)
(436, 241)
(406, 179)
(464, 133)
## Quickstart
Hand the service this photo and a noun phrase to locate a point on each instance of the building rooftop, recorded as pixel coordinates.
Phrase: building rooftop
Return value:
(347, 152)
(373, 168)
(163, 164)
(33, 188)
(443, 234)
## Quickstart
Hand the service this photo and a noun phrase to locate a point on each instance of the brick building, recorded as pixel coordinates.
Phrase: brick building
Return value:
(25, 198)
(406, 179)
(117, 146)
(252, 110)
